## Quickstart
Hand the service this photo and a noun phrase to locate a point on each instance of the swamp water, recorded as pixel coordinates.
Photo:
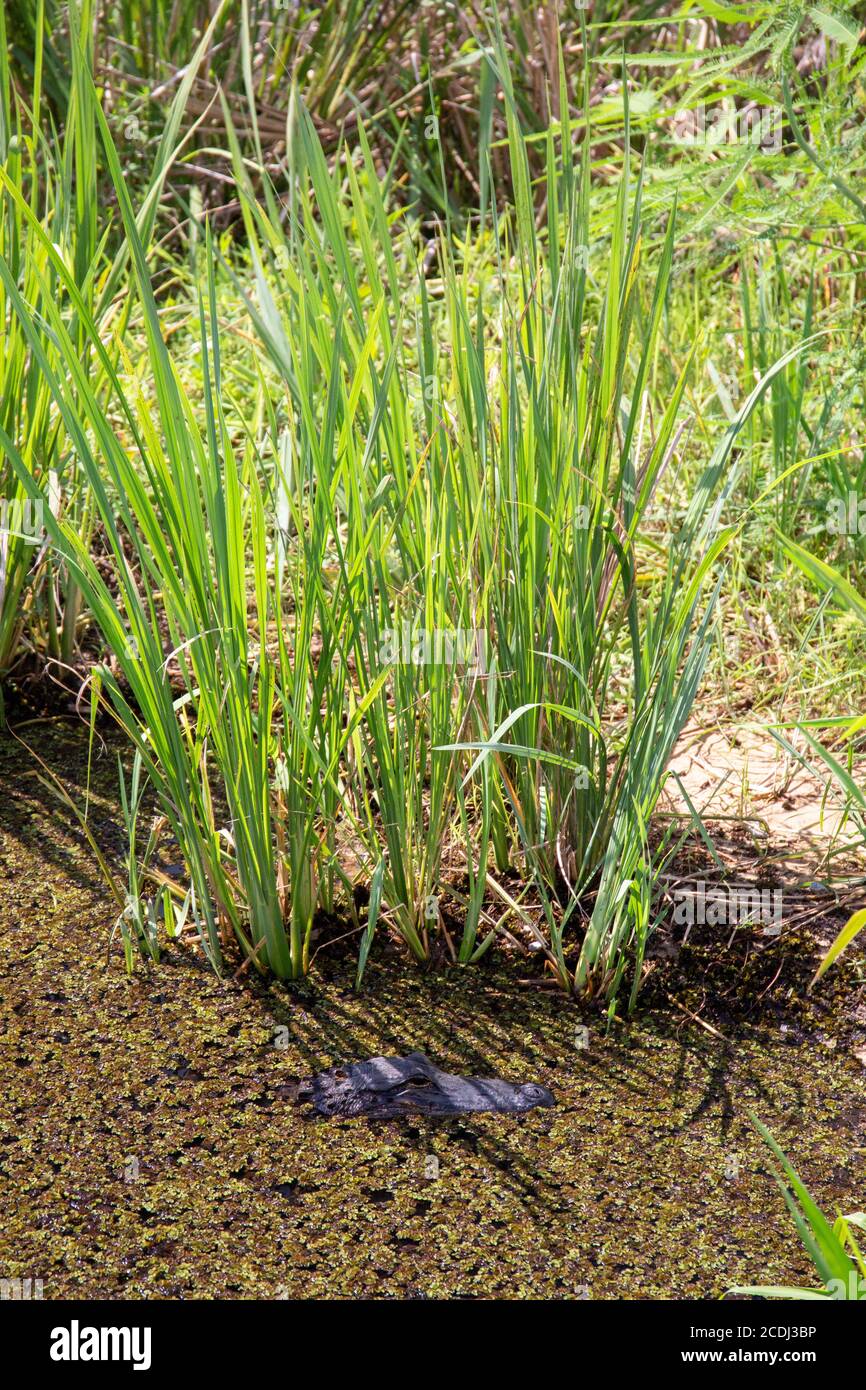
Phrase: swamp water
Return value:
(149, 1146)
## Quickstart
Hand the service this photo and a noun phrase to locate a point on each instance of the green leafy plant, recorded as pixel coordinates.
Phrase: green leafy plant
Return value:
(833, 1249)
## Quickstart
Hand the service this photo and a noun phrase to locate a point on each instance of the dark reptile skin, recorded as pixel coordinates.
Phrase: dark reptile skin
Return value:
(384, 1087)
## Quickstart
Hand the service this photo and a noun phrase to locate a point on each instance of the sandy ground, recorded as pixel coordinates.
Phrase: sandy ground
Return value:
(743, 772)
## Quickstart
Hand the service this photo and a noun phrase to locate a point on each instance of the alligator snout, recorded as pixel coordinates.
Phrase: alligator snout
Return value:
(532, 1095)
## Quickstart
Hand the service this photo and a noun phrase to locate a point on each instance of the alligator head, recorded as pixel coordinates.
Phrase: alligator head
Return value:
(384, 1087)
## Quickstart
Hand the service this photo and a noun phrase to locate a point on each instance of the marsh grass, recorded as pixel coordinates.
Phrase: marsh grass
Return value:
(60, 259)
(494, 469)
(47, 198)
(461, 438)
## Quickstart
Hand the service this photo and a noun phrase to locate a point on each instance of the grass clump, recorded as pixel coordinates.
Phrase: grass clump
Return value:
(419, 603)
(434, 470)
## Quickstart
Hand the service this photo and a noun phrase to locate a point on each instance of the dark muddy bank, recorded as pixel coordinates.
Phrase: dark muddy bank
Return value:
(149, 1146)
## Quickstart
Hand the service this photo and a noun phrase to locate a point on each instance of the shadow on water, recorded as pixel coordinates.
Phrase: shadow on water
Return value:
(32, 814)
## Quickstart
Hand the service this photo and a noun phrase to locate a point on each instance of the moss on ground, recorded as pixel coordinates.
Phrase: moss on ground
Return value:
(149, 1146)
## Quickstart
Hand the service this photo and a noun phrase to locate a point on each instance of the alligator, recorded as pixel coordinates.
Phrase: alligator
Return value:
(385, 1087)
